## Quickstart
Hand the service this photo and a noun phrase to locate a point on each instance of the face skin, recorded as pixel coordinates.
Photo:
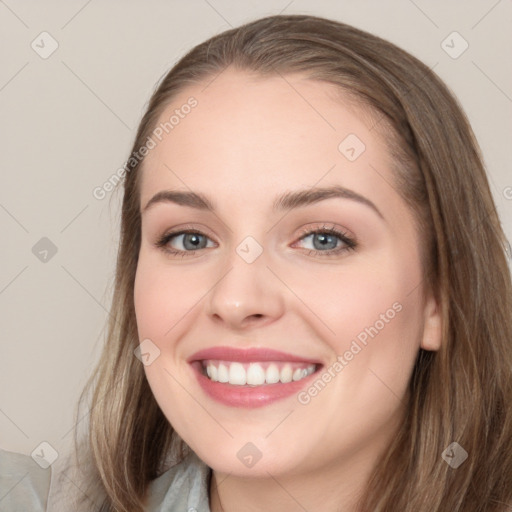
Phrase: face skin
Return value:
(249, 140)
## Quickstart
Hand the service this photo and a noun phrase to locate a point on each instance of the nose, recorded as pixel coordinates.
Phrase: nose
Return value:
(246, 295)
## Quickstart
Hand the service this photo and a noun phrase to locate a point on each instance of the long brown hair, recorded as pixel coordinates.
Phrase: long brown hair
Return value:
(461, 393)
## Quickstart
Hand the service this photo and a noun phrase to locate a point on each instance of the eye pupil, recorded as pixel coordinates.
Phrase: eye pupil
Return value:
(324, 239)
(194, 239)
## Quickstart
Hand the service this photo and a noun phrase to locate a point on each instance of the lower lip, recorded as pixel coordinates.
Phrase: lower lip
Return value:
(248, 396)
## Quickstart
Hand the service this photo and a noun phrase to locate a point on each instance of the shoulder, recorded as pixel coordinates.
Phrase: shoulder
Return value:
(24, 485)
(182, 487)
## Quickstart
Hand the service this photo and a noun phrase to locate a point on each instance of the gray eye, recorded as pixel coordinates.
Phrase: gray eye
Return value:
(323, 241)
(193, 241)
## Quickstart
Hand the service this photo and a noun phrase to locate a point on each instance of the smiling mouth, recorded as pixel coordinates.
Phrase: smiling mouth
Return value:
(255, 373)
(251, 377)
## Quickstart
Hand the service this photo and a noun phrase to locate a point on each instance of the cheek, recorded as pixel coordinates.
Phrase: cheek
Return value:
(370, 315)
(357, 300)
(375, 315)
(162, 297)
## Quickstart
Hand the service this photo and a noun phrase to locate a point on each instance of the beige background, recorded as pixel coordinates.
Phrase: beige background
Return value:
(68, 122)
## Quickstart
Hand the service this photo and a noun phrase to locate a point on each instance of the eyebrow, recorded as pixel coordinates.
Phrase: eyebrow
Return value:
(287, 201)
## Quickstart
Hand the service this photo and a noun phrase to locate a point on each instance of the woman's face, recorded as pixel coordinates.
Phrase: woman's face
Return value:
(300, 256)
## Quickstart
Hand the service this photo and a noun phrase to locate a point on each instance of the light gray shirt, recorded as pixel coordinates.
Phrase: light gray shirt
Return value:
(26, 487)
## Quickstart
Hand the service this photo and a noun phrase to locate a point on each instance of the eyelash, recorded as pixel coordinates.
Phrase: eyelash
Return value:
(350, 243)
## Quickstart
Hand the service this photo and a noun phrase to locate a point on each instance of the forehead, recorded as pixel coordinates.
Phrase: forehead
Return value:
(246, 129)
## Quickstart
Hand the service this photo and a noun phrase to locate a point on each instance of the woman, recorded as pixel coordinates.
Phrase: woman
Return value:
(312, 307)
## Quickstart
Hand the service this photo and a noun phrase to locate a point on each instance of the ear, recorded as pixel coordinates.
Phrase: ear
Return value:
(432, 326)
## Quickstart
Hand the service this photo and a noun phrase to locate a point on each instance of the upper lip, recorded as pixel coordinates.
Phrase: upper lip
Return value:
(248, 355)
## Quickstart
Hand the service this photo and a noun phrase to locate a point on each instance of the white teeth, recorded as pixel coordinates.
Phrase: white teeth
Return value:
(286, 374)
(272, 375)
(237, 374)
(255, 375)
(212, 372)
(222, 374)
(299, 373)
